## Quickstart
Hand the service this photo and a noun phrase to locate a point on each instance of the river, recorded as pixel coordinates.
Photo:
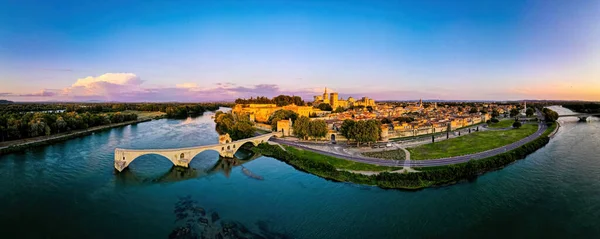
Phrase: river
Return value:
(70, 190)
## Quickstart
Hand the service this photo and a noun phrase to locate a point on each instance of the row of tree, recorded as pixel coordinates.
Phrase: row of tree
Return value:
(305, 128)
(25, 125)
(280, 100)
(365, 131)
(236, 127)
(173, 109)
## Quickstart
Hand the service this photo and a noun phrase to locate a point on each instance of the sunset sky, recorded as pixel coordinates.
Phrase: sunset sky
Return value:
(221, 50)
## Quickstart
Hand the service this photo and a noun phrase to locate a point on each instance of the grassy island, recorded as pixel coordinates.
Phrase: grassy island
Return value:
(427, 177)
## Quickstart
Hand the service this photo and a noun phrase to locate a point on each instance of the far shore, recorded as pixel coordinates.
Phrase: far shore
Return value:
(23, 144)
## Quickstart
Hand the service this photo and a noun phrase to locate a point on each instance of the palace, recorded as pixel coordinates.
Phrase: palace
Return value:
(335, 102)
(261, 112)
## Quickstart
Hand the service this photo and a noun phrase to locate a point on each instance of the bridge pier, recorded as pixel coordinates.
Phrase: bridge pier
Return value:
(583, 119)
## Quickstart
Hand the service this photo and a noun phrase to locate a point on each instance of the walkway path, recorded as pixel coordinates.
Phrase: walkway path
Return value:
(422, 163)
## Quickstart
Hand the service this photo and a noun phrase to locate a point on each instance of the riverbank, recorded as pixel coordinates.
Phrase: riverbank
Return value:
(438, 176)
(23, 144)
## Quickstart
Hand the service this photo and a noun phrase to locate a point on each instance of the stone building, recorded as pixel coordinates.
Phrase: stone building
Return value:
(335, 101)
(262, 112)
(285, 127)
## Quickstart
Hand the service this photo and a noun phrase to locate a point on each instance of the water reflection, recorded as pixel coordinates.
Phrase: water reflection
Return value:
(130, 177)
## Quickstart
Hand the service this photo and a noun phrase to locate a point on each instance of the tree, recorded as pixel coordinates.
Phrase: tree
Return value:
(325, 107)
(225, 123)
(386, 121)
(495, 113)
(317, 129)
(347, 129)
(550, 115)
(370, 108)
(495, 120)
(362, 131)
(514, 112)
(529, 112)
(373, 131)
(242, 130)
(473, 110)
(301, 127)
(117, 117)
(339, 109)
(516, 124)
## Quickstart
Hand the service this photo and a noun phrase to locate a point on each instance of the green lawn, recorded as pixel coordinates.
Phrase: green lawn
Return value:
(339, 163)
(397, 154)
(502, 124)
(472, 143)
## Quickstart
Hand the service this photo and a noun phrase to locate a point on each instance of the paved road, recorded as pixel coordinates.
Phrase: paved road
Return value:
(423, 163)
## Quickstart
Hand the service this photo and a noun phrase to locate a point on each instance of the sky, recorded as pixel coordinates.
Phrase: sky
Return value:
(193, 51)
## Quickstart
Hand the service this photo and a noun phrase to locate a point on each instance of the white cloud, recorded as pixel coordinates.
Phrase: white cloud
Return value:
(113, 78)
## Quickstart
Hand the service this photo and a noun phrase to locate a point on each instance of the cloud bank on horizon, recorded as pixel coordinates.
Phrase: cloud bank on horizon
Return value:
(128, 87)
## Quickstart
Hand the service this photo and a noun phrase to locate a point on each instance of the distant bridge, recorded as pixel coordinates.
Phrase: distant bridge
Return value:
(581, 116)
(183, 156)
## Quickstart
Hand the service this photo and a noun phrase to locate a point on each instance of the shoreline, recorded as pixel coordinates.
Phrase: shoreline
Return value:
(22, 146)
(411, 181)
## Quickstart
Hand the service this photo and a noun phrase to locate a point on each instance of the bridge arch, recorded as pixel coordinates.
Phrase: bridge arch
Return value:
(125, 159)
(183, 156)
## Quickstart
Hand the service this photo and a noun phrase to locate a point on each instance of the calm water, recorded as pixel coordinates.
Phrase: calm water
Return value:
(70, 190)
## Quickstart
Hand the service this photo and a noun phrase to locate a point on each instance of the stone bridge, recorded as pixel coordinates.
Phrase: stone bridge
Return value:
(183, 156)
(581, 116)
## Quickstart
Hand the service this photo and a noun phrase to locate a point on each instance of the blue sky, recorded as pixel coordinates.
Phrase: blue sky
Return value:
(221, 50)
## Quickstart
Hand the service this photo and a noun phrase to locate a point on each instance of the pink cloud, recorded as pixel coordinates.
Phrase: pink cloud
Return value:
(42, 93)
(129, 87)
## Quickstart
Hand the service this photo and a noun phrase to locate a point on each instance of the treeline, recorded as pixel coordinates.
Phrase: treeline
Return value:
(173, 110)
(583, 107)
(280, 100)
(191, 110)
(237, 127)
(426, 178)
(363, 131)
(304, 128)
(26, 125)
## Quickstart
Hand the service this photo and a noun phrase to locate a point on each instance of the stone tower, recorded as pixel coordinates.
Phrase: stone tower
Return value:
(333, 101)
(325, 97)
